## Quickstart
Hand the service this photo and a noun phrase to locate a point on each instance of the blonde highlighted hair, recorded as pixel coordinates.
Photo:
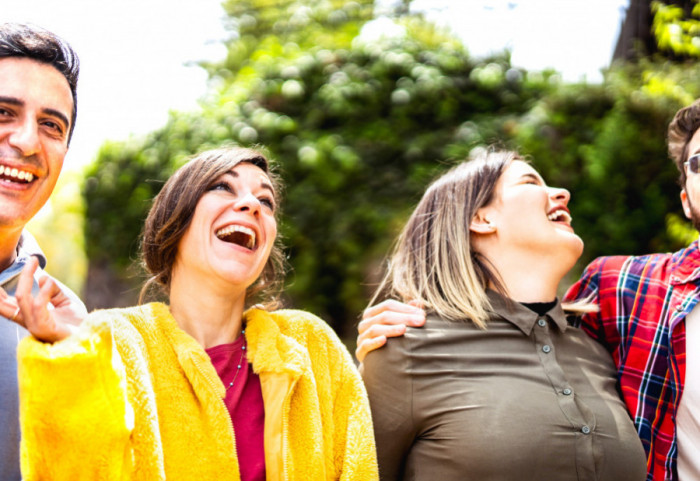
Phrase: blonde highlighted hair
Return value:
(433, 261)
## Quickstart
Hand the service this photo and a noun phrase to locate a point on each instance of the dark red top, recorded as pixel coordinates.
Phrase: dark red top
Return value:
(245, 405)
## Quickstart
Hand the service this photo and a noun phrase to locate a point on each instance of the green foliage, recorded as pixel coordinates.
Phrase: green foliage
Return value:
(357, 132)
(58, 228)
(606, 144)
(674, 31)
(358, 128)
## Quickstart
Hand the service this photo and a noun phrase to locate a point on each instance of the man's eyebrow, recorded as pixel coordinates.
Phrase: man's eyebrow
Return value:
(60, 115)
(48, 111)
(11, 101)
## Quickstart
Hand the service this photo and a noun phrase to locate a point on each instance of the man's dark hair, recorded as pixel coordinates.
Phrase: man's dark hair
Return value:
(680, 132)
(36, 43)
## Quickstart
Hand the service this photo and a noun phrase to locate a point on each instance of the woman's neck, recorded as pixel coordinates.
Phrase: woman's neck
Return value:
(528, 278)
(210, 317)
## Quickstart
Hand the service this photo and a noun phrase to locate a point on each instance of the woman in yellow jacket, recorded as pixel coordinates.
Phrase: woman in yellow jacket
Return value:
(199, 388)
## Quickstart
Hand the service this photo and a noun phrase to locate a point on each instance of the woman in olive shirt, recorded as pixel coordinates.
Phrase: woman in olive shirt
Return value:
(497, 385)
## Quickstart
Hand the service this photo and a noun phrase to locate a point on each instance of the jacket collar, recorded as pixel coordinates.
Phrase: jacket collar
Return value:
(522, 317)
(268, 349)
(193, 359)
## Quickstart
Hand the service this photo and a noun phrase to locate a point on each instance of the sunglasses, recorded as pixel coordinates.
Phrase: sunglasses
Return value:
(693, 163)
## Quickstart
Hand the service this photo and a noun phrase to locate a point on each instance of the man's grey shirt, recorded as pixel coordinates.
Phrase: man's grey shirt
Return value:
(10, 335)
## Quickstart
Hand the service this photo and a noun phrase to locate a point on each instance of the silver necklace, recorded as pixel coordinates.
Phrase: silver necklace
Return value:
(240, 361)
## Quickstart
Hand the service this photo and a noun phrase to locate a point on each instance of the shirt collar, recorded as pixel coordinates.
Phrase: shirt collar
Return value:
(30, 247)
(26, 248)
(686, 265)
(522, 317)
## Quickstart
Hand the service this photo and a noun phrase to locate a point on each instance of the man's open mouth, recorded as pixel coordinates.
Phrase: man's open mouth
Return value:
(14, 174)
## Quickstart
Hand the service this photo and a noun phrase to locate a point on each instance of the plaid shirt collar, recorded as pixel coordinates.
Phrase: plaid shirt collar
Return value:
(686, 265)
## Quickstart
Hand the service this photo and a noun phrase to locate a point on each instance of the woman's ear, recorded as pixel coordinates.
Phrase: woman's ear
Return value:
(480, 223)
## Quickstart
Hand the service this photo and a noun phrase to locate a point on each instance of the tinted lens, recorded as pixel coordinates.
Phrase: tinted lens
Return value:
(693, 163)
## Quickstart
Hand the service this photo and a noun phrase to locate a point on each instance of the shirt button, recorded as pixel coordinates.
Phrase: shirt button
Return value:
(567, 392)
(586, 430)
(679, 307)
(546, 348)
(541, 322)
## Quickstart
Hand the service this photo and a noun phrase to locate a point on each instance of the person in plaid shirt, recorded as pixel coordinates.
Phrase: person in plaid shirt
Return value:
(646, 318)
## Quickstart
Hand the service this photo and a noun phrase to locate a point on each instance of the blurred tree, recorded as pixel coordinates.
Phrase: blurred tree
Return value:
(358, 126)
(58, 227)
(360, 123)
(676, 28)
(668, 29)
(606, 145)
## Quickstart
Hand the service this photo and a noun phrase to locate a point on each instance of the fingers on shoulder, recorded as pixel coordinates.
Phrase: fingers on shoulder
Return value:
(368, 345)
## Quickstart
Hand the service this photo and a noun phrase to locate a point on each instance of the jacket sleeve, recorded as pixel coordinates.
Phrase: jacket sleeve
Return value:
(355, 452)
(386, 375)
(75, 416)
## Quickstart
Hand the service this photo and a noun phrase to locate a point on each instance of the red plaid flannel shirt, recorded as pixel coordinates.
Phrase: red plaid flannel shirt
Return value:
(644, 301)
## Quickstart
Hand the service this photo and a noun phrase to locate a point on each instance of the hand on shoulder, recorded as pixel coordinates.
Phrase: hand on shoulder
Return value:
(387, 319)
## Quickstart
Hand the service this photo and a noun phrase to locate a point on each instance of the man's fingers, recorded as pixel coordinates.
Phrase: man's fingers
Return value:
(366, 346)
(382, 330)
(414, 318)
(391, 305)
(57, 297)
(23, 293)
(416, 303)
(8, 305)
(47, 291)
(375, 337)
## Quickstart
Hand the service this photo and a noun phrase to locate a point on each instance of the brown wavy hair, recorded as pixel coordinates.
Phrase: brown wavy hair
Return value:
(681, 129)
(172, 212)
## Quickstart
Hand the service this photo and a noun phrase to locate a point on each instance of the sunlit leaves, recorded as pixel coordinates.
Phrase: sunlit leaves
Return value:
(674, 32)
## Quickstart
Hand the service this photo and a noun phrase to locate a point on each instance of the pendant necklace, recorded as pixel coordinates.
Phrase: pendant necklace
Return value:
(240, 361)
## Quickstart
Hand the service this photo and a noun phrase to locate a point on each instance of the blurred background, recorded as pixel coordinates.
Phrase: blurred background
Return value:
(362, 103)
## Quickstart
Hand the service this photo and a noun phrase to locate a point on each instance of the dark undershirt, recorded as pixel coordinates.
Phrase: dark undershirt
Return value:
(540, 308)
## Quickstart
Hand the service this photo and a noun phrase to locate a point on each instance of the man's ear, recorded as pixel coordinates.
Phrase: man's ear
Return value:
(480, 224)
(686, 204)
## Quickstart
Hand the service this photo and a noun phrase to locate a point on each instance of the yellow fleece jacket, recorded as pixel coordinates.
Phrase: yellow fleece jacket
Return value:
(131, 396)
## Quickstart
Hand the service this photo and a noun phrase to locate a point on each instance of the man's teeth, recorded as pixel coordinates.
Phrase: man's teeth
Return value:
(238, 234)
(15, 173)
(560, 215)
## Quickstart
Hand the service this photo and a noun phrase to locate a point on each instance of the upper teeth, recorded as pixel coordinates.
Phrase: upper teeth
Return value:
(16, 173)
(230, 229)
(560, 215)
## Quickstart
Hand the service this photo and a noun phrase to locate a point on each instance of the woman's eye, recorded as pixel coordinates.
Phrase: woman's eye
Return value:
(221, 186)
(266, 201)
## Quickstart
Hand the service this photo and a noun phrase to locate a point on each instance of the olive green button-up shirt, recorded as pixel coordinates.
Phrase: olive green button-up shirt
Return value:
(529, 398)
